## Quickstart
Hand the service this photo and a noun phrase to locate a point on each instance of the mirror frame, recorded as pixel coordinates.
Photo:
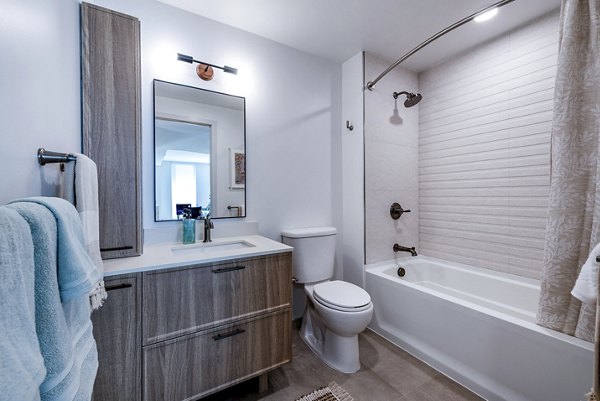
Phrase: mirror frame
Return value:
(154, 82)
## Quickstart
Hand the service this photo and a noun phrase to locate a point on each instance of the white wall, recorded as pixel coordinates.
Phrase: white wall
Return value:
(40, 92)
(352, 144)
(391, 163)
(164, 184)
(484, 151)
(292, 98)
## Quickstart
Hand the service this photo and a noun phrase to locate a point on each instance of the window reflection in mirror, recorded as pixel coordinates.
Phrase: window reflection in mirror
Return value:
(199, 149)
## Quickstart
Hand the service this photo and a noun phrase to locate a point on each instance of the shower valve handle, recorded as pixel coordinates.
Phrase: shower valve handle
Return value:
(396, 211)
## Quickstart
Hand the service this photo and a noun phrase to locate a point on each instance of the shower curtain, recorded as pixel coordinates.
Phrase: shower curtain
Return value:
(573, 227)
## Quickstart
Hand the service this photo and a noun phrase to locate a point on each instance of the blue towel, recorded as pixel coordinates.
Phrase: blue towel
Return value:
(64, 327)
(21, 364)
(77, 273)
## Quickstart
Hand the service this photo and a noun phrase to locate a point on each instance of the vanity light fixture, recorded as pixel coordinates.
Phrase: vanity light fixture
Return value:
(205, 70)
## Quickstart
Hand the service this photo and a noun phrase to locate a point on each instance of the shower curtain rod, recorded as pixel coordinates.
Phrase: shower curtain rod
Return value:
(441, 33)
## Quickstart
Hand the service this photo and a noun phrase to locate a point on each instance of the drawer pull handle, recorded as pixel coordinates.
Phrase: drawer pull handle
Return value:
(229, 269)
(117, 248)
(118, 287)
(235, 332)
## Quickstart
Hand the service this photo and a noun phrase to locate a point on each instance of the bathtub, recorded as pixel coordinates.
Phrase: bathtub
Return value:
(477, 327)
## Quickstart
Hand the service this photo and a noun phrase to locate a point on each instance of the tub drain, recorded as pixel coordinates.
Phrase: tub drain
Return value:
(401, 271)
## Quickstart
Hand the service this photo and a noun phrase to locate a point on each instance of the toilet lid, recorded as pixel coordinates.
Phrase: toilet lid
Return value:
(341, 294)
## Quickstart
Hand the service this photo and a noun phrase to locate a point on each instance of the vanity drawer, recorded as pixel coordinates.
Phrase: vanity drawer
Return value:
(206, 362)
(182, 301)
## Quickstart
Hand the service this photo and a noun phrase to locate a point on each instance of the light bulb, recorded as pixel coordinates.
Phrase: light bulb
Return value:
(486, 15)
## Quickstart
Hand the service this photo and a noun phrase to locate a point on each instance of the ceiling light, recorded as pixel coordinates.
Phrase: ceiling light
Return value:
(486, 15)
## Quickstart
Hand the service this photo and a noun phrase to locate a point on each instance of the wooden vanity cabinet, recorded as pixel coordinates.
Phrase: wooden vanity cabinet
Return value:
(210, 360)
(118, 335)
(204, 327)
(210, 326)
(205, 296)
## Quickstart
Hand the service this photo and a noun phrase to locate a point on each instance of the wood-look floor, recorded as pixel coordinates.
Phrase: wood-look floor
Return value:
(387, 374)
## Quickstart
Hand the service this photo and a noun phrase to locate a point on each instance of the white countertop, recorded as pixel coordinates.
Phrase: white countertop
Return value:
(164, 256)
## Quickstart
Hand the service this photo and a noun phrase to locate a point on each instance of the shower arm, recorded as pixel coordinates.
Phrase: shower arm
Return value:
(396, 94)
(371, 84)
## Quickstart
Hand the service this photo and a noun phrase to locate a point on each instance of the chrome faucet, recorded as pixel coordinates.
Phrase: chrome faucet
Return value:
(208, 225)
(400, 248)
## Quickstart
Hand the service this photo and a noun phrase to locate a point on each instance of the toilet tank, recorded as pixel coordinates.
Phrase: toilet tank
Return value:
(314, 252)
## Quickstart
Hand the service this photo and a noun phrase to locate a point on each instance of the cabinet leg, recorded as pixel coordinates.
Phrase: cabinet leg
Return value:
(263, 383)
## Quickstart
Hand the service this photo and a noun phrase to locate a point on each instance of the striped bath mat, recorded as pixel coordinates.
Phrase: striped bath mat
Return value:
(332, 392)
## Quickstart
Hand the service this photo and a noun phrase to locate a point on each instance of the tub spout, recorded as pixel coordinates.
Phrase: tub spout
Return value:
(400, 248)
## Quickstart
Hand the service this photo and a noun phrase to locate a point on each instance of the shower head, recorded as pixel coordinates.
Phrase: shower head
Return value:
(411, 98)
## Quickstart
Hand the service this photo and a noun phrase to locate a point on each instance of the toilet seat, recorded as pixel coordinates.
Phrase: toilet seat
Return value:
(342, 296)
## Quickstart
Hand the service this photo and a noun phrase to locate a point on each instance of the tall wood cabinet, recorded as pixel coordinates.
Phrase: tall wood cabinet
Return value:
(110, 74)
(201, 328)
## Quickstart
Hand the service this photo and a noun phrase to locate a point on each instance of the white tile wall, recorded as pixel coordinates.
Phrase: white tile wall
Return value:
(391, 161)
(484, 151)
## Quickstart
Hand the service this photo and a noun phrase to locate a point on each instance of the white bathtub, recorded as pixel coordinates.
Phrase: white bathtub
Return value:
(477, 327)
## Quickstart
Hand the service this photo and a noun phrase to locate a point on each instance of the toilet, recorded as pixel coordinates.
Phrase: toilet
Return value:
(336, 311)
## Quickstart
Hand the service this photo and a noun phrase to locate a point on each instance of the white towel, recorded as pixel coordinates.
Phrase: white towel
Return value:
(586, 286)
(67, 184)
(82, 175)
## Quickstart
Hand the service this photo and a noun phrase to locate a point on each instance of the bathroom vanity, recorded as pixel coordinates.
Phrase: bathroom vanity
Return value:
(182, 322)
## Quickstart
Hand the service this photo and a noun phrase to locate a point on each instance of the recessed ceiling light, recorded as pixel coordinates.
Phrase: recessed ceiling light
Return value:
(486, 15)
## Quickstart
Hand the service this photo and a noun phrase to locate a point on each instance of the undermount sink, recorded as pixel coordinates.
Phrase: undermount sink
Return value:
(209, 247)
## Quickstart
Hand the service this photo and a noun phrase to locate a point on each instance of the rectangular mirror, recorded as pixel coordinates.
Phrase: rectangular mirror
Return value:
(199, 152)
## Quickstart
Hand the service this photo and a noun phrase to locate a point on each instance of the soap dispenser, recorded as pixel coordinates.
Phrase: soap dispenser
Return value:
(189, 227)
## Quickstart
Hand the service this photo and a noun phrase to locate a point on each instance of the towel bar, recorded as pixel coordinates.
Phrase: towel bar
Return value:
(46, 156)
